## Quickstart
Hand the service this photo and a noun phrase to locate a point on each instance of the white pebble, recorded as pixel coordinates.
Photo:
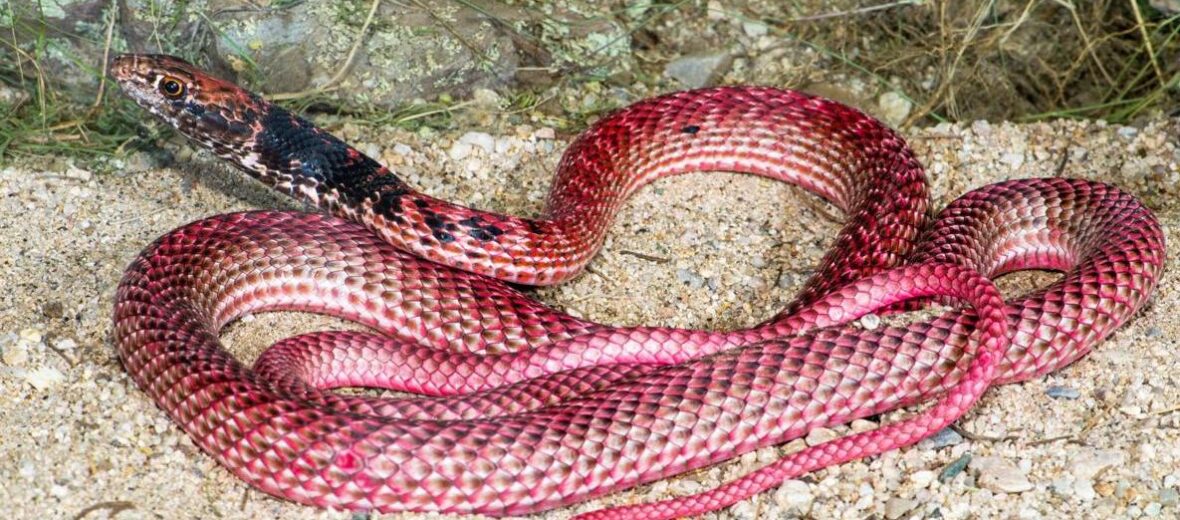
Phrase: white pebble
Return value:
(44, 378)
(861, 425)
(923, 478)
(870, 321)
(31, 335)
(59, 491)
(895, 108)
(897, 507)
(997, 474)
(1088, 464)
(754, 29)
(794, 495)
(820, 436)
(15, 354)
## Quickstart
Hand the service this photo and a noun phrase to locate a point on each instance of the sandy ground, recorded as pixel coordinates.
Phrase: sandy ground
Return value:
(78, 439)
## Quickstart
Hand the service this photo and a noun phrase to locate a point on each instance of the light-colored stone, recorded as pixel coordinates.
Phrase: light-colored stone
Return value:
(1000, 475)
(897, 507)
(794, 495)
(895, 108)
(923, 478)
(820, 436)
(699, 70)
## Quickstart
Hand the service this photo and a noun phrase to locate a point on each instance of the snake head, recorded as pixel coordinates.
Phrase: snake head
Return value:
(212, 112)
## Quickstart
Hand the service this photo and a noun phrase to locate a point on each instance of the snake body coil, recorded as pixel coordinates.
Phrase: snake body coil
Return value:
(529, 409)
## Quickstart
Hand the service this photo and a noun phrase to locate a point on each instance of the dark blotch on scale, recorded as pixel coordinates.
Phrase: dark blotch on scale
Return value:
(691, 129)
(480, 234)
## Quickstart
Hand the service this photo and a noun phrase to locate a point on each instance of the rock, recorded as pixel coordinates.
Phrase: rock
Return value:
(44, 378)
(945, 437)
(1169, 497)
(16, 353)
(1088, 464)
(923, 478)
(1062, 392)
(1166, 6)
(1062, 486)
(486, 99)
(954, 468)
(897, 507)
(861, 425)
(462, 147)
(1014, 160)
(786, 281)
(820, 436)
(755, 29)
(699, 70)
(999, 475)
(894, 107)
(690, 278)
(31, 335)
(1153, 509)
(794, 495)
(870, 321)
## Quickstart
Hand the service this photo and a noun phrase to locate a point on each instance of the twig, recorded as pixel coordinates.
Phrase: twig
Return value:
(854, 12)
(1155, 64)
(980, 438)
(1168, 410)
(1068, 436)
(331, 84)
(115, 507)
(645, 256)
(106, 56)
(1064, 160)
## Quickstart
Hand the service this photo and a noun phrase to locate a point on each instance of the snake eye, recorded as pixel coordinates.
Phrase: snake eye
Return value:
(171, 87)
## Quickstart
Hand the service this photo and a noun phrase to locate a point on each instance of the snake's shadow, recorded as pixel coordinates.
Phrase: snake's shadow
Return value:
(215, 174)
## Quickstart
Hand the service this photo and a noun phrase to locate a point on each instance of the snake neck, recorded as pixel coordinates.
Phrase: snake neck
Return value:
(297, 158)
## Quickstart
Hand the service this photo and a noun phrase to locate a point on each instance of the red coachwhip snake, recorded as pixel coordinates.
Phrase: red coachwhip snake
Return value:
(527, 408)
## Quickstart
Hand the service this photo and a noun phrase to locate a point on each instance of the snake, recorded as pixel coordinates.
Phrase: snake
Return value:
(511, 407)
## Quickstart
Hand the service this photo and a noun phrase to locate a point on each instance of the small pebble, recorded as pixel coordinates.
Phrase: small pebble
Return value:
(1154, 332)
(690, 278)
(786, 281)
(1169, 497)
(999, 475)
(31, 335)
(794, 495)
(954, 468)
(754, 29)
(870, 321)
(861, 425)
(923, 478)
(1153, 509)
(15, 354)
(895, 108)
(820, 436)
(1062, 392)
(44, 378)
(897, 507)
(1087, 465)
(945, 437)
